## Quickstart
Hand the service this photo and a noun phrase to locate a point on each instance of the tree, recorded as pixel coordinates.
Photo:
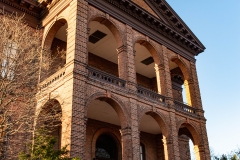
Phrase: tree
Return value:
(22, 61)
(43, 148)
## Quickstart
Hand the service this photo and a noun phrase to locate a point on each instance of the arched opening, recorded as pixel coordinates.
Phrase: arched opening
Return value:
(56, 42)
(49, 119)
(106, 148)
(188, 143)
(180, 87)
(103, 41)
(152, 132)
(105, 117)
(145, 62)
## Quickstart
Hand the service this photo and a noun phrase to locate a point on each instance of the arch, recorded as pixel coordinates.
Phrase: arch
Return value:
(53, 29)
(159, 118)
(182, 65)
(115, 135)
(150, 47)
(117, 105)
(50, 107)
(112, 26)
(50, 118)
(186, 79)
(191, 132)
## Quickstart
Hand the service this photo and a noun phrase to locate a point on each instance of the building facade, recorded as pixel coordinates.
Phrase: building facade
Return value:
(129, 67)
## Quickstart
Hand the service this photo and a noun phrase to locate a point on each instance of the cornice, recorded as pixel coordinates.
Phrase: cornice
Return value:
(142, 21)
(176, 22)
(156, 24)
(27, 6)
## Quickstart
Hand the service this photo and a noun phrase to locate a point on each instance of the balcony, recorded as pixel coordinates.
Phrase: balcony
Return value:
(180, 106)
(105, 77)
(144, 92)
(53, 78)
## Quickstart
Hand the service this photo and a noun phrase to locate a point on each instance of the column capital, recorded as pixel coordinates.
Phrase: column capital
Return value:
(159, 67)
(126, 131)
(121, 49)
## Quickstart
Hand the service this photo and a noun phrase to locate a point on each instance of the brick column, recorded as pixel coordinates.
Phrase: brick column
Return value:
(167, 76)
(195, 86)
(126, 65)
(76, 61)
(184, 148)
(202, 150)
(127, 149)
(130, 135)
(135, 131)
(172, 139)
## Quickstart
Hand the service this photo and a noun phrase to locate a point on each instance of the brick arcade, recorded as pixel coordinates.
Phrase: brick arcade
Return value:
(120, 84)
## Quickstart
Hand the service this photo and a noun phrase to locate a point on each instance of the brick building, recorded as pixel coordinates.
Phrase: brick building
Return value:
(120, 86)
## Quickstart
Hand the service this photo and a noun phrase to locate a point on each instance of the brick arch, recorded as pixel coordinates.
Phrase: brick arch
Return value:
(48, 102)
(115, 102)
(114, 134)
(50, 118)
(183, 66)
(111, 25)
(150, 47)
(159, 118)
(53, 29)
(187, 79)
(191, 131)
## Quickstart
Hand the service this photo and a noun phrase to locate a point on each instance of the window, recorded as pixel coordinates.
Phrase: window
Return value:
(9, 60)
(142, 152)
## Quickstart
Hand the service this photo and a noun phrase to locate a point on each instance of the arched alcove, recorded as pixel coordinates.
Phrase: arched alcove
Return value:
(103, 41)
(146, 59)
(49, 119)
(180, 82)
(187, 135)
(106, 148)
(56, 42)
(152, 132)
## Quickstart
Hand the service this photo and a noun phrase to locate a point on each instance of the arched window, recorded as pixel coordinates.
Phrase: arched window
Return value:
(142, 152)
(106, 148)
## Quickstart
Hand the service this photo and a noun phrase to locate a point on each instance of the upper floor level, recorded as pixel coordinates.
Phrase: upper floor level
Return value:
(140, 46)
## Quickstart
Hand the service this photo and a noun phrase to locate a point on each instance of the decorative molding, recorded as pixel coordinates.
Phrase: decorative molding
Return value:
(133, 15)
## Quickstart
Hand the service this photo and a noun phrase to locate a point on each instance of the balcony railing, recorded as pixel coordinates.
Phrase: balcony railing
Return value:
(183, 107)
(51, 79)
(105, 77)
(150, 94)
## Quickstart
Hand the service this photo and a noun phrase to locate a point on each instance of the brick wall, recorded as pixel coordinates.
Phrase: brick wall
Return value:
(153, 146)
(184, 148)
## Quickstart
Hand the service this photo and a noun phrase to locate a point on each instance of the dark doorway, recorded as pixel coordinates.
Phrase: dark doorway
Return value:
(106, 148)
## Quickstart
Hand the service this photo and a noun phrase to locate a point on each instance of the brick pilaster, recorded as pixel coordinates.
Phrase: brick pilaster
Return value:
(135, 131)
(77, 56)
(126, 134)
(203, 148)
(195, 85)
(166, 74)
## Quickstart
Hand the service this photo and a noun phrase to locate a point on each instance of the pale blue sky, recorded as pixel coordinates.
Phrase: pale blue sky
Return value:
(217, 24)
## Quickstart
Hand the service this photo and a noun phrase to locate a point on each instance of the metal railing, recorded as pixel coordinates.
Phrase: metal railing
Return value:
(106, 77)
(150, 94)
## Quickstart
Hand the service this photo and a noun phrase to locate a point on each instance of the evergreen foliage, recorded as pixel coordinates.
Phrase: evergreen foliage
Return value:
(43, 149)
